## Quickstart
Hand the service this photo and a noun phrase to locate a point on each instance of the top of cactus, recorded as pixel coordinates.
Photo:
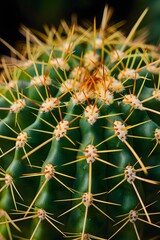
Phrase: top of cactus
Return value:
(84, 97)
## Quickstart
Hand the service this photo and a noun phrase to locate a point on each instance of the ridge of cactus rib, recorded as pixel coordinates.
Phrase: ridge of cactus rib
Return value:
(80, 135)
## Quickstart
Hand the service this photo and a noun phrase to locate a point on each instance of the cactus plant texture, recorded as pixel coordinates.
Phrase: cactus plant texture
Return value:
(80, 135)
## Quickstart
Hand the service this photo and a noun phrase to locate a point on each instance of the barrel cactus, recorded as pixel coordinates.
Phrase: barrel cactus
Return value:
(80, 135)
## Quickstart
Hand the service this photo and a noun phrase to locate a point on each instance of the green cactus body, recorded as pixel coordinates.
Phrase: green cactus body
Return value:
(80, 137)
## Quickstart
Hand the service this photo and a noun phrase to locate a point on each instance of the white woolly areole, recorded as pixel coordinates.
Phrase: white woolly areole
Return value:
(41, 80)
(90, 153)
(8, 179)
(21, 140)
(61, 129)
(157, 134)
(87, 199)
(115, 85)
(79, 73)
(86, 237)
(27, 63)
(81, 96)
(133, 216)
(11, 84)
(91, 113)
(78, 97)
(70, 85)
(128, 73)
(60, 63)
(101, 71)
(98, 42)
(91, 60)
(116, 55)
(105, 95)
(68, 46)
(111, 84)
(41, 214)
(17, 105)
(49, 104)
(49, 171)
(129, 174)
(156, 94)
(120, 130)
(133, 101)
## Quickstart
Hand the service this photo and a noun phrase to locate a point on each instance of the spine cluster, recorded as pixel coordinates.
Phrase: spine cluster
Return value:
(80, 136)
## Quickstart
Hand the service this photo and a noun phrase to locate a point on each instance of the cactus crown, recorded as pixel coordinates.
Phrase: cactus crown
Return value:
(80, 135)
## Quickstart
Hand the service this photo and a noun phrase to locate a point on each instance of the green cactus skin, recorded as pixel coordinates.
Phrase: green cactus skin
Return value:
(80, 136)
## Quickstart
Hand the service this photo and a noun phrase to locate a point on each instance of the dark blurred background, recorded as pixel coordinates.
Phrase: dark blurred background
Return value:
(36, 13)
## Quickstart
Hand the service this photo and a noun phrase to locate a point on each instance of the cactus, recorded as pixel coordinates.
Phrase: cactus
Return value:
(80, 135)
